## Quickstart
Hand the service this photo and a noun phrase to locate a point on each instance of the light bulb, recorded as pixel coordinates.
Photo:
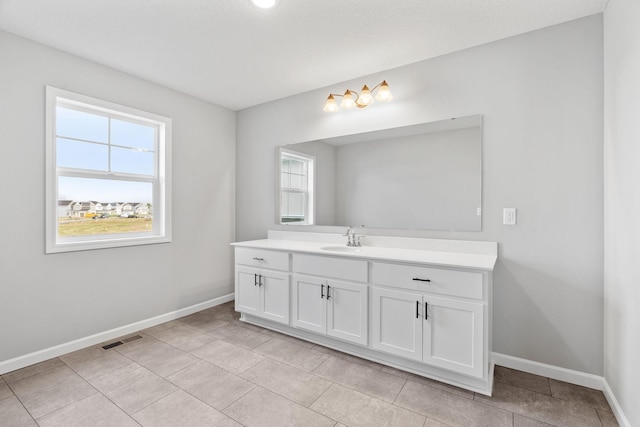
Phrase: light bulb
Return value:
(365, 97)
(330, 106)
(265, 4)
(384, 94)
(347, 100)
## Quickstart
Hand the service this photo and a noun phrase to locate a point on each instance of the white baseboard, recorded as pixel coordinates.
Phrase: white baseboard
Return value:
(615, 405)
(566, 375)
(59, 350)
(549, 371)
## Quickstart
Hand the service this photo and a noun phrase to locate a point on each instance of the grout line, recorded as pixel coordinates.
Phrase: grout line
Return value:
(331, 384)
(20, 401)
(67, 405)
(243, 395)
(398, 393)
(426, 417)
(157, 400)
(532, 419)
(119, 408)
(4, 376)
(45, 371)
(554, 397)
(285, 397)
(532, 416)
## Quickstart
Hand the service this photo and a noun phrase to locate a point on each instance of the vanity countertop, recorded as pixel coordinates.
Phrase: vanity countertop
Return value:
(474, 261)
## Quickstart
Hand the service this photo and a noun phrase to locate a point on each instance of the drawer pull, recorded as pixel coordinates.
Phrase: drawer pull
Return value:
(426, 312)
(417, 309)
(258, 259)
(421, 280)
(328, 290)
(321, 291)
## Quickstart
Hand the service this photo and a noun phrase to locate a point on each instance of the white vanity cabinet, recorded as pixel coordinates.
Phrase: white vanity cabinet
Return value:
(442, 332)
(330, 306)
(422, 310)
(335, 308)
(262, 284)
(412, 320)
(396, 323)
(453, 335)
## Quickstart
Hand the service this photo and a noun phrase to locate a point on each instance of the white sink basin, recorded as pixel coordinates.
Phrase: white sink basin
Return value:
(341, 249)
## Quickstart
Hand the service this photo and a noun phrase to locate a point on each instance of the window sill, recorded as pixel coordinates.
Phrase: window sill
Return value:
(106, 243)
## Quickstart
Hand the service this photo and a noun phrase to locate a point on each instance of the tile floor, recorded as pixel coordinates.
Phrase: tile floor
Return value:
(210, 369)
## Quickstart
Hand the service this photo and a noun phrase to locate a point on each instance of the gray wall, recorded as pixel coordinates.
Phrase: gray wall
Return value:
(430, 181)
(52, 299)
(622, 203)
(541, 96)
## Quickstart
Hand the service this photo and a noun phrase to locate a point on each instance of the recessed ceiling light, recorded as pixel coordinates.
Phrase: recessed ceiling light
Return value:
(265, 4)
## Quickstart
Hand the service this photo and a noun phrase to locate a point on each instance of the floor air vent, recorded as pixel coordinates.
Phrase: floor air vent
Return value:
(113, 344)
(123, 341)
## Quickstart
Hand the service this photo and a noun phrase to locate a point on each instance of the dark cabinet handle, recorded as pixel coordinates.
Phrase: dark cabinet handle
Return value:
(421, 280)
(417, 309)
(321, 291)
(328, 290)
(255, 279)
(426, 312)
(260, 276)
(258, 259)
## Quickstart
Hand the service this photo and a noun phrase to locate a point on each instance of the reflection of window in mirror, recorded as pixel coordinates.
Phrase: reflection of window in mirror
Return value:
(296, 187)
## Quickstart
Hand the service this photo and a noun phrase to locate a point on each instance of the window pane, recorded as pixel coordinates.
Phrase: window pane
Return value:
(285, 181)
(285, 166)
(77, 124)
(134, 135)
(299, 182)
(99, 206)
(129, 160)
(81, 155)
(292, 207)
(297, 166)
(296, 204)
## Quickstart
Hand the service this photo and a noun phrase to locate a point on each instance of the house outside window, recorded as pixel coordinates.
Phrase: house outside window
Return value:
(101, 157)
(296, 188)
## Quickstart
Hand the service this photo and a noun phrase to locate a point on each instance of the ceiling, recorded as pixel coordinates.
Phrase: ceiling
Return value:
(235, 55)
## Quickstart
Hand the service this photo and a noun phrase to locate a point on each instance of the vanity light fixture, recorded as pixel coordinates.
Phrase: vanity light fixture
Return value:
(265, 4)
(351, 98)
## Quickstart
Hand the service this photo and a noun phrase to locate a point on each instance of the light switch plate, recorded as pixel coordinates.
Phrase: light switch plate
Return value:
(509, 216)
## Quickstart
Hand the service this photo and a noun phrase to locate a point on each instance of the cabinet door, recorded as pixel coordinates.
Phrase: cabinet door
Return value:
(347, 313)
(247, 290)
(397, 322)
(453, 335)
(274, 296)
(309, 303)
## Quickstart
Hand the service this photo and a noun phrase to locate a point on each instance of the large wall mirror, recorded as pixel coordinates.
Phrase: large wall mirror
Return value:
(426, 176)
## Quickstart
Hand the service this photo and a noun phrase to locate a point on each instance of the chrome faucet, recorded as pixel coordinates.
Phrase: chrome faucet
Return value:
(352, 239)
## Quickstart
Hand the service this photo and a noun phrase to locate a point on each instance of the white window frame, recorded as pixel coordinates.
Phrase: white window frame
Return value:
(310, 206)
(161, 231)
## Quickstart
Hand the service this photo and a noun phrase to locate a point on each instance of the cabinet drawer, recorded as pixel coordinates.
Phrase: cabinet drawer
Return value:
(426, 279)
(263, 258)
(338, 268)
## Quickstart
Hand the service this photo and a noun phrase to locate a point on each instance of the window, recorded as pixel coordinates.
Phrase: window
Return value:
(108, 174)
(296, 188)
